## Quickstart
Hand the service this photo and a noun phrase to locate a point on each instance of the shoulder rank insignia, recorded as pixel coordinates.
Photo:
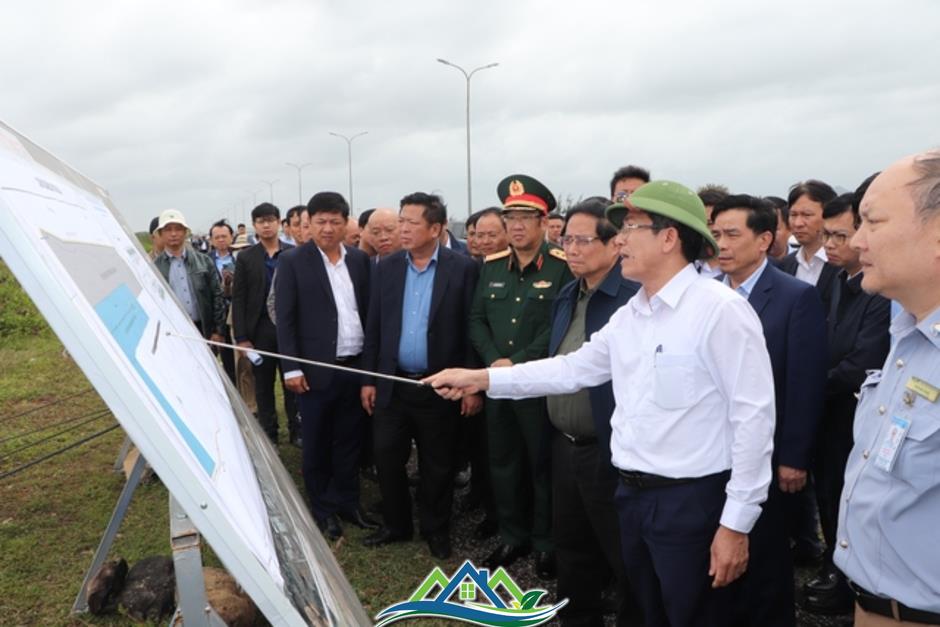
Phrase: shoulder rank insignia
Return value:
(558, 253)
(500, 255)
(541, 285)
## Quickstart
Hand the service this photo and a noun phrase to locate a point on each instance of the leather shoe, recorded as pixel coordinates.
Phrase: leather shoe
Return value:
(545, 564)
(439, 546)
(384, 536)
(330, 527)
(359, 518)
(828, 594)
(486, 528)
(504, 555)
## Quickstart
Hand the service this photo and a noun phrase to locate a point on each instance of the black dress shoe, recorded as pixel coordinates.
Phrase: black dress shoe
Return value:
(330, 527)
(828, 594)
(359, 518)
(504, 555)
(825, 581)
(439, 546)
(384, 536)
(545, 564)
(487, 528)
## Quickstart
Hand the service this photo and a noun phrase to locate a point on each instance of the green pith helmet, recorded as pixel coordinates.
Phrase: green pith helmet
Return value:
(672, 200)
(520, 192)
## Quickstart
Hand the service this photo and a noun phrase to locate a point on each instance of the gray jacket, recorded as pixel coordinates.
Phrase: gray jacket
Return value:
(204, 282)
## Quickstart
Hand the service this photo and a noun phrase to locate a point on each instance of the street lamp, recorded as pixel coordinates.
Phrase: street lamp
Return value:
(270, 185)
(349, 141)
(300, 187)
(468, 76)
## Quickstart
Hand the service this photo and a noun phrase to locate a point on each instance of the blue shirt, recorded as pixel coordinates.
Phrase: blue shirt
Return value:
(747, 287)
(179, 281)
(222, 262)
(889, 511)
(415, 309)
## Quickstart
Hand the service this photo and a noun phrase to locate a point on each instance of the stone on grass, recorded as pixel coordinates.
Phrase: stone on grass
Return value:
(103, 589)
(228, 599)
(149, 589)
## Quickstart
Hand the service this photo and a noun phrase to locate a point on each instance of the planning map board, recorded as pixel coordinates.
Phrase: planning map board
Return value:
(88, 275)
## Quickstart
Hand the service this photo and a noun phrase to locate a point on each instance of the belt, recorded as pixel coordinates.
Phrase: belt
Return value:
(891, 608)
(417, 376)
(644, 480)
(580, 440)
(345, 359)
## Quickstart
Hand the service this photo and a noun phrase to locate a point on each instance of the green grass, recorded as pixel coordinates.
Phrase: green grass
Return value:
(53, 514)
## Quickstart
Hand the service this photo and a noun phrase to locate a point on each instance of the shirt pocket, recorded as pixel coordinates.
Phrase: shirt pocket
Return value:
(918, 461)
(674, 381)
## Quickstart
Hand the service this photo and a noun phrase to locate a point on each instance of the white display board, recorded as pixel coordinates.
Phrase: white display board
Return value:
(92, 281)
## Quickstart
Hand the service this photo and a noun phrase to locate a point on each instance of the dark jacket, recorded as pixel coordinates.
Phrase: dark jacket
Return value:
(307, 320)
(826, 280)
(249, 298)
(204, 282)
(858, 341)
(457, 245)
(455, 279)
(612, 293)
(794, 326)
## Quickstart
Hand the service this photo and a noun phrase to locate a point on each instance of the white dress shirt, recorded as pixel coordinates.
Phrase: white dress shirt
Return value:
(692, 383)
(809, 271)
(350, 336)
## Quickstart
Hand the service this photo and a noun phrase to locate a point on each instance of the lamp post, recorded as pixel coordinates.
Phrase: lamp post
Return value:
(300, 187)
(270, 185)
(349, 141)
(468, 76)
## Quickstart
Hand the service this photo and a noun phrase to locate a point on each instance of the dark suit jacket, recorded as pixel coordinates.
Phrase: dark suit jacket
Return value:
(307, 321)
(826, 278)
(613, 292)
(249, 300)
(455, 280)
(858, 341)
(794, 325)
(458, 245)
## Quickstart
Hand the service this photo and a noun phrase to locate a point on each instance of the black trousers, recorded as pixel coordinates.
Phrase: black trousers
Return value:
(265, 338)
(416, 413)
(331, 426)
(767, 586)
(227, 355)
(586, 534)
(666, 535)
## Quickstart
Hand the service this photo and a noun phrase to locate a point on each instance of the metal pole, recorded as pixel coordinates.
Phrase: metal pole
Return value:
(300, 188)
(349, 141)
(468, 76)
(270, 185)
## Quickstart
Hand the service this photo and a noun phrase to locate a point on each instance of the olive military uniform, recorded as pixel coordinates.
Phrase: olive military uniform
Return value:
(511, 318)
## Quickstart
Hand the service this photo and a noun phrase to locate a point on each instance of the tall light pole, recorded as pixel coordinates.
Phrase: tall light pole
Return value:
(270, 185)
(300, 185)
(349, 141)
(468, 76)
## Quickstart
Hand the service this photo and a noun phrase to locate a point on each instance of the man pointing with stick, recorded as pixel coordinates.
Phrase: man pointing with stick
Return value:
(692, 430)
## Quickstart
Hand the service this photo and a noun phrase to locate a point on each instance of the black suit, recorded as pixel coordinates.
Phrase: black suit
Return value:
(858, 341)
(794, 326)
(250, 322)
(404, 411)
(308, 327)
(827, 277)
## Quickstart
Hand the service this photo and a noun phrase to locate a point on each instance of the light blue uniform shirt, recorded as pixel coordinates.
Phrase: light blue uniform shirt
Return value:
(415, 309)
(747, 287)
(888, 519)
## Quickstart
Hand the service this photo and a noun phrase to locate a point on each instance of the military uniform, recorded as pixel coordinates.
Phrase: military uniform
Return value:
(510, 318)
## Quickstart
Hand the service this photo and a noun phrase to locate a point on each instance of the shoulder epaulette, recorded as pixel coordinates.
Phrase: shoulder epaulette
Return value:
(500, 255)
(558, 253)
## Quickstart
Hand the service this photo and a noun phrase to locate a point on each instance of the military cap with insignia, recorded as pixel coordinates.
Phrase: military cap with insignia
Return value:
(520, 192)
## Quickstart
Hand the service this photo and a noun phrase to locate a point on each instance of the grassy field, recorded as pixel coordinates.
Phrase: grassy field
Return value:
(52, 515)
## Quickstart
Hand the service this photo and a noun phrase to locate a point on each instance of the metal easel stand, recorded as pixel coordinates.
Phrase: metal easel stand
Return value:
(193, 609)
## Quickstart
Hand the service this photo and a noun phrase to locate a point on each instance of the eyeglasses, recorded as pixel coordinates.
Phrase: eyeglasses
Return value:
(838, 237)
(580, 240)
(628, 228)
(622, 196)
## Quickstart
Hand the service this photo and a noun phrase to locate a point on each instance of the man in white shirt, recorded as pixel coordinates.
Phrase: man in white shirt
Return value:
(321, 300)
(692, 430)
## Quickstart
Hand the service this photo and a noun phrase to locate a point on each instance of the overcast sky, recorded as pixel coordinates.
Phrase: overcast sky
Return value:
(193, 104)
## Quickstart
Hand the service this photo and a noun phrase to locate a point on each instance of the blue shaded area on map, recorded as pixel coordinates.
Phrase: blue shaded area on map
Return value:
(126, 320)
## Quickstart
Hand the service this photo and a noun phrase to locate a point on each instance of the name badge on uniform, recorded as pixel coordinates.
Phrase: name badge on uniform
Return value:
(888, 451)
(497, 284)
(541, 285)
(922, 388)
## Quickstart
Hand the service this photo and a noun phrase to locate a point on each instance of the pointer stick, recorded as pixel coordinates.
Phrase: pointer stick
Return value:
(297, 359)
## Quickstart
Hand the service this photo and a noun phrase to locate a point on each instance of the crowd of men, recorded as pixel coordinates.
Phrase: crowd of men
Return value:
(656, 397)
